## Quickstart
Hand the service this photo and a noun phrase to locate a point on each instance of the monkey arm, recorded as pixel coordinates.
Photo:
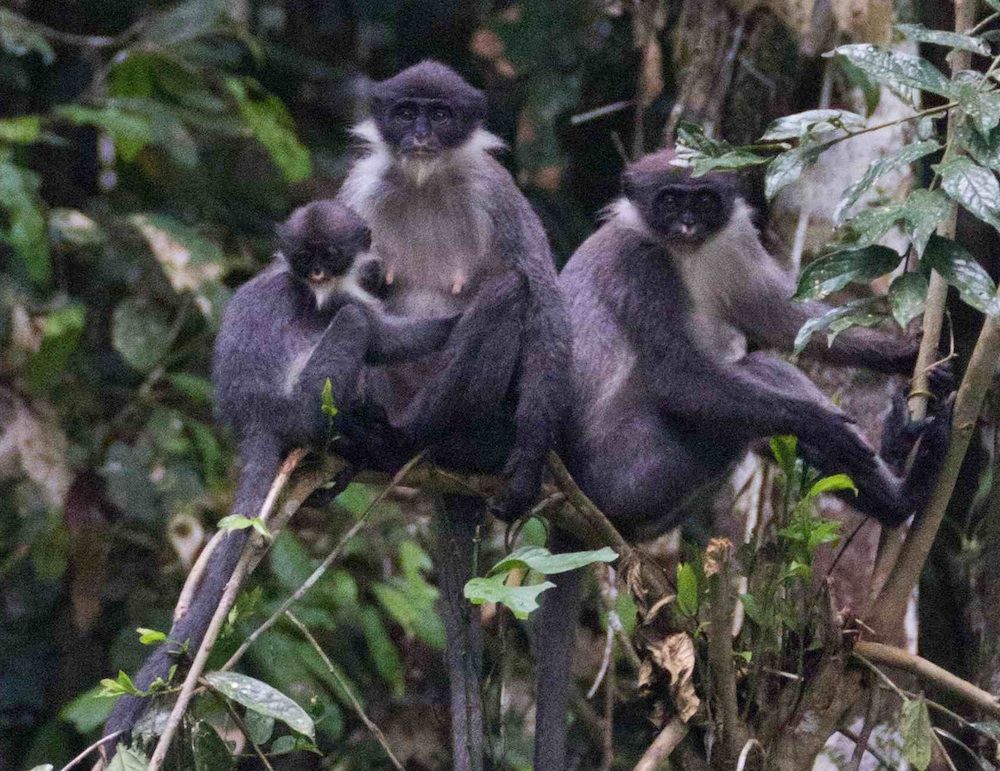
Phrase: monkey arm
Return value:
(398, 339)
(765, 312)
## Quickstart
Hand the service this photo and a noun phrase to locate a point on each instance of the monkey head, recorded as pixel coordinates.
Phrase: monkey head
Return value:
(321, 242)
(681, 209)
(426, 110)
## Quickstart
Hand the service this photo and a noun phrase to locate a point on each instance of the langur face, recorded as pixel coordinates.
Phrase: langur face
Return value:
(426, 110)
(317, 263)
(424, 127)
(689, 213)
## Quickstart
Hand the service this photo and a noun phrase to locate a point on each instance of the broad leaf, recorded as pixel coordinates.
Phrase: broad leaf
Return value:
(921, 34)
(687, 589)
(895, 160)
(734, 159)
(835, 321)
(127, 759)
(802, 123)
(835, 271)
(915, 728)
(25, 230)
(260, 726)
(18, 36)
(61, 333)
(960, 269)
(982, 106)
(140, 332)
(272, 126)
(21, 130)
(906, 297)
(895, 69)
(985, 149)
(543, 561)
(972, 186)
(923, 211)
(521, 600)
(831, 484)
(236, 522)
(784, 450)
(262, 698)
(186, 21)
(130, 132)
(869, 225)
(788, 167)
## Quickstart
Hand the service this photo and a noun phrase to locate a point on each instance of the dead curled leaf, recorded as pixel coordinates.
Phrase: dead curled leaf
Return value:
(718, 553)
(673, 655)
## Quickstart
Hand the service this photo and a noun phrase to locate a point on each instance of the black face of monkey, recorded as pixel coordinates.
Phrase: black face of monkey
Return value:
(690, 212)
(426, 109)
(682, 209)
(322, 240)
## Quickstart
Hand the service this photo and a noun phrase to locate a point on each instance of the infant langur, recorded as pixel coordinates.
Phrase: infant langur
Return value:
(307, 318)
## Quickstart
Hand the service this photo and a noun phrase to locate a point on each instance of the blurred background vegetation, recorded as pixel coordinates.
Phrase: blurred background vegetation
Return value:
(146, 151)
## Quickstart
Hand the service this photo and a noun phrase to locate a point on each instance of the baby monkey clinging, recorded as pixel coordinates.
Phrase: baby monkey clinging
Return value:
(308, 318)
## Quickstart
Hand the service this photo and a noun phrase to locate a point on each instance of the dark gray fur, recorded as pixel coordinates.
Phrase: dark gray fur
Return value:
(275, 350)
(666, 398)
(457, 236)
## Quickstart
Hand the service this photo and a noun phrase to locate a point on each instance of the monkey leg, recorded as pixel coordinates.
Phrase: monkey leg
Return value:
(482, 356)
(261, 458)
(337, 357)
(453, 533)
(881, 492)
(553, 644)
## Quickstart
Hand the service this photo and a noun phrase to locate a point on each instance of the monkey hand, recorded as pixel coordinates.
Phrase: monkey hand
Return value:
(367, 437)
(524, 481)
(900, 434)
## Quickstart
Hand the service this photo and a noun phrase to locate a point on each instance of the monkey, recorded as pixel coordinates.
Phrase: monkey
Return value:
(306, 319)
(663, 299)
(457, 236)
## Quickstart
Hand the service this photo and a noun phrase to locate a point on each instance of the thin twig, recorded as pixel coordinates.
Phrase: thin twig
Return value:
(882, 759)
(240, 724)
(608, 596)
(369, 723)
(324, 565)
(898, 658)
(871, 716)
(96, 745)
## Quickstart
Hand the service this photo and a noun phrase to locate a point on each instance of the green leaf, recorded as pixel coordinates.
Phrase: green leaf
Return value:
(130, 132)
(895, 69)
(543, 561)
(835, 321)
(803, 123)
(521, 600)
(120, 686)
(74, 228)
(236, 522)
(140, 332)
(692, 136)
(985, 149)
(753, 609)
(186, 21)
(906, 297)
(915, 727)
(960, 270)
(260, 726)
(272, 126)
(21, 130)
(61, 333)
(194, 387)
(382, 651)
(328, 406)
(734, 159)
(151, 636)
(687, 589)
(784, 450)
(18, 36)
(788, 167)
(209, 751)
(982, 106)
(262, 698)
(922, 212)
(25, 230)
(869, 225)
(835, 271)
(128, 759)
(902, 157)
(921, 34)
(88, 711)
(831, 484)
(972, 186)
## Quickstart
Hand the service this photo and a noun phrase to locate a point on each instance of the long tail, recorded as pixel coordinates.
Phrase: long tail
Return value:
(261, 459)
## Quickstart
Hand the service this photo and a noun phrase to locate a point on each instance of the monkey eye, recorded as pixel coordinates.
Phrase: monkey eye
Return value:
(668, 201)
(407, 113)
(706, 201)
(440, 114)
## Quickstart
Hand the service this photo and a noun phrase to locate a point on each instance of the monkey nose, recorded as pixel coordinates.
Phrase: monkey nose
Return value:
(317, 274)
